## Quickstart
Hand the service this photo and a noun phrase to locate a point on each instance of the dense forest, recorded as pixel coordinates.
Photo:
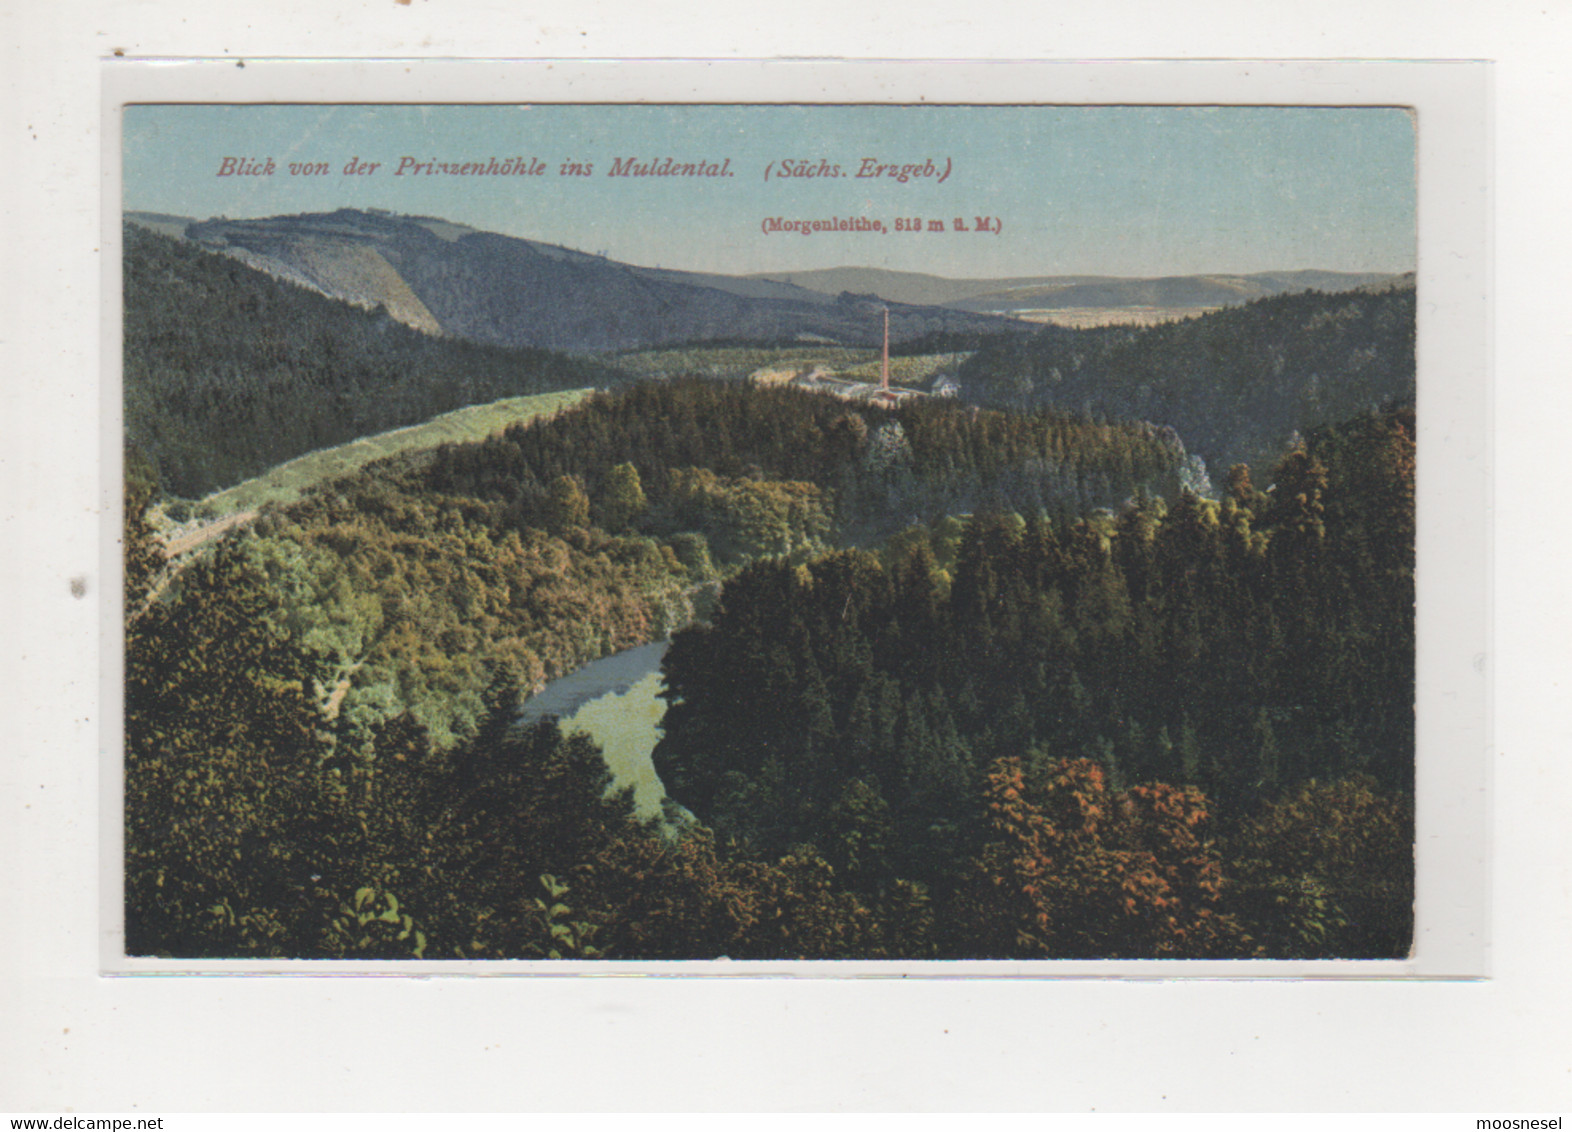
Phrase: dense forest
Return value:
(1237, 649)
(882, 468)
(945, 681)
(557, 542)
(991, 736)
(229, 371)
(1236, 383)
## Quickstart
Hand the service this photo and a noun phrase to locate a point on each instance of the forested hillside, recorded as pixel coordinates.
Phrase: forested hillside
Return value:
(1004, 679)
(1236, 383)
(1240, 649)
(1176, 728)
(879, 469)
(422, 578)
(229, 371)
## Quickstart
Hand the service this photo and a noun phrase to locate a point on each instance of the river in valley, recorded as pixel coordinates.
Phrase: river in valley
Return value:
(616, 702)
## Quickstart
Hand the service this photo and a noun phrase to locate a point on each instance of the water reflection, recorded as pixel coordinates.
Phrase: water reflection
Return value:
(616, 702)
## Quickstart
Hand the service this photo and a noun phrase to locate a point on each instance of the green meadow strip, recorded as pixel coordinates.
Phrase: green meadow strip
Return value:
(286, 482)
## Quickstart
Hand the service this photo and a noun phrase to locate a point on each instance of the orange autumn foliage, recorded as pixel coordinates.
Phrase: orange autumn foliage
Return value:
(1072, 869)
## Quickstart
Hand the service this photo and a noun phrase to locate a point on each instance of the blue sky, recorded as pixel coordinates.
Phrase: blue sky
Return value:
(1076, 190)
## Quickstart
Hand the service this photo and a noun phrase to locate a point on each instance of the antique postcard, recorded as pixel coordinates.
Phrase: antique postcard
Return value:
(656, 531)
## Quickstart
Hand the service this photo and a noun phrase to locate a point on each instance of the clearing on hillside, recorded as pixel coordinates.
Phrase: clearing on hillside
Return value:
(286, 482)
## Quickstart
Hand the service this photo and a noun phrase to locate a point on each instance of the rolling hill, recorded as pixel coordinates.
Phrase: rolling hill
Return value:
(229, 370)
(1237, 383)
(1074, 292)
(446, 278)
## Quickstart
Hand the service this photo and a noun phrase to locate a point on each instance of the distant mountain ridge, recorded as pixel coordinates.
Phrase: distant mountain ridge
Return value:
(447, 278)
(442, 277)
(1070, 292)
(914, 286)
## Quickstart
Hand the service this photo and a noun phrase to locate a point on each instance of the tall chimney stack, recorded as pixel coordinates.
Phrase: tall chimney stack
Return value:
(884, 367)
